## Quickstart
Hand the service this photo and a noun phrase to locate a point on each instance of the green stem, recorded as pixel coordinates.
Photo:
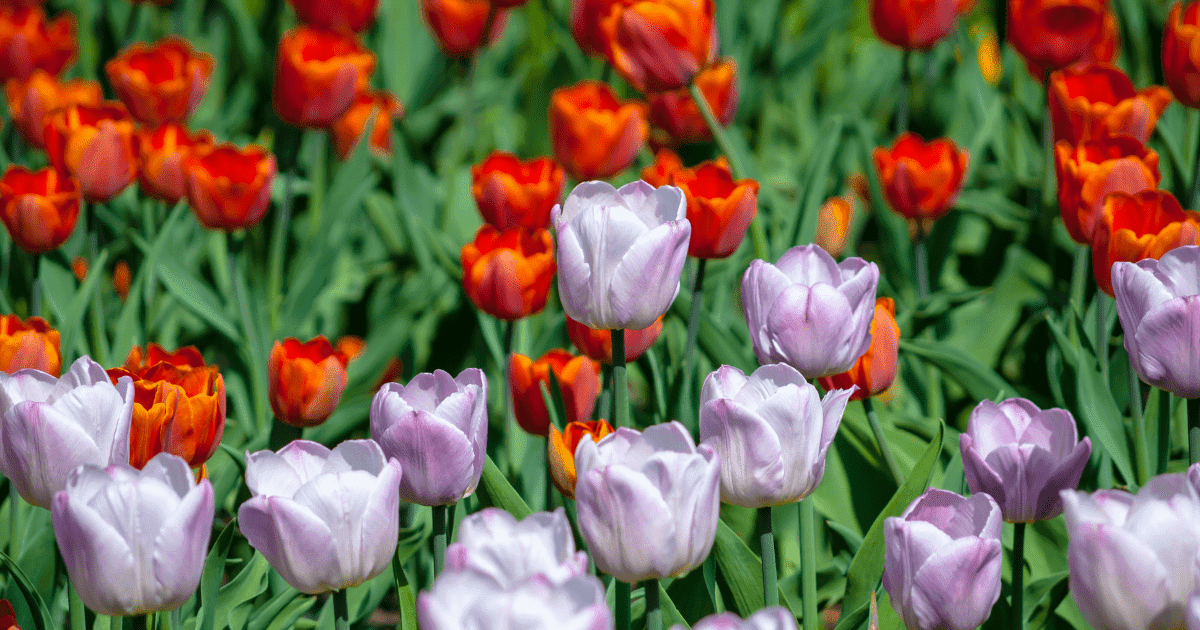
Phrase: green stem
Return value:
(689, 361)
(921, 255)
(1018, 576)
(341, 610)
(1079, 277)
(622, 613)
(35, 288)
(1193, 420)
(439, 538)
(317, 183)
(279, 240)
(808, 563)
(255, 358)
(15, 526)
(604, 409)
(1102, 334)
(1139, 427)
(766, 544)
(905, 88)
(1194, 195)
(653, 605)
(140, 622)
(620, 382)
(513, 432)
(174, 619)
(884, 450)
(1164, 430)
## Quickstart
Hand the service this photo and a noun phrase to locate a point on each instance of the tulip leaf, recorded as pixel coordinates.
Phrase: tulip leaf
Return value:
(406, 595)
(1100, 414)
(805, 230)
(866, 568)
(37, 606)
(73, 317)
(741, 570)
(275, 608)
(982, 382)
(1042, 597)
(495, 491)
(196, 295)
(210, 580)
(248, 584)
(288, 616)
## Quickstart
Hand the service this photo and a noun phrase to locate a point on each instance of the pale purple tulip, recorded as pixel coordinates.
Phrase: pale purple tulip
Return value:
(1158, 302)
(809, 311)
(473, 600)
(493, 542)
(1023, 456)
(436, 427)
(774, 618)
(648, 502)
(772, 431)
(1193, 612)
(134, 541)
(942, 562)
(1132, 558)
(325, 520)
(620, 252)
(49, 426)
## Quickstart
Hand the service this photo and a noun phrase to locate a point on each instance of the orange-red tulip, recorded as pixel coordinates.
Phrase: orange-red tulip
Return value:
(8, 617)
(39, 208)
(578, 382)
(351, 346)
(229, 188)
(79, 268)
(354, 15)
(30, 41)
(560, 451)
(1099, 100)
(306, 380)
(595, 135)
(597, 344)
(508, 274)
(32, 99)
(1088, 172)
(833, 224)
(29, 344)
(913, 24)
(95, 144)
(122, 279)
(161, 155)
(1135, 227)
(1181, 69)
(876, 369)
(676, 112)
(719, 208)
(318, 74)
(163, 82)
(658, 45)
(921, 180)
(138, 361)
(514, 193)
(666, 162)
(1055, 33)
(378, 106)
(1106, 49)
(458, 25)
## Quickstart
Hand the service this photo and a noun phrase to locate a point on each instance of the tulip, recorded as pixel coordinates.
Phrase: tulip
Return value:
(648, 502)
(540, 546)
(29, 344)
(354, 15)
(1181, 71)
(810, 311)
(658, 45)
(472, 599)
(597, 343)
(774, 618)
(719, 208)
(134, 541)
(8, 618)
(666, 162)
(508, 274)
(991, 67)
(436, 426)
(229, 188)
(379, 107)
(514, 193)
(677, 113)
(161, 156)
(560, 451)
(325, 520)
(595, 135)
(942, 561)
(1136, 227)
(578, 383)
(875, 370)
(833, 224)
(1100, 100)
(138, 361)
(913, 25)
(772, 431)
(32, 99)
(95, 144)
(161, 83)
(318, 74)
(620, 252)
(122, 279)
(1105, 49)
(351, 345)
(587, 28)
(1158, 309)
(49, 426)
(1087, 173)
(306, 380)
(39, 209)
(921, 179)
(30, 41)
(458, 25)
(1055, 34)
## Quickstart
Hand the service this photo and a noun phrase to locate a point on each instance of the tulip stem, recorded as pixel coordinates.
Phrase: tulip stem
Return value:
(1194, 195)
(620, 383)
(653, 605)
(1193, 420)
(35, 288)
(808, 563)
(622, 614)
(905, 88)
(884, 450)
(174, 619)
(1139, 428)
(341, 610)
(1164, 430)
(1079, 278)
(439, 538)
(1018, 576)
(921, 256)
(766, 542)
(1102, 334)
(513, 432)
(14, 524)
(689, 361)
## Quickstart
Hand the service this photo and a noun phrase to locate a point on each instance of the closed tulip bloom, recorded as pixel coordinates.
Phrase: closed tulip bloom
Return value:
(508, 274)
(1135, 227)
(161, 155)
(436, 427)
(163, 82)
(122, 279)
(458, 25)
(1181, 69)
(719, 208)
(32, 99)
(30, 41)
(595, 135)
(913, 24)
(658, 45)
(511, 192)
(1105, 49)
(875, 370)
(29, 344)
(540, 546)
(1023, 457)
(354, 15)
(620, 252)
(318, 74)
(1087, 173)
(666, 162)
(134, 541)
(473, 599)
(8, 618)
(49, 426)
(1100, 100)
(1055, 33)
(677, 113)
(229, 188)
(921, 179)
(597, 343)
(810, 311)
(379, 107)
(578, 383)
(306, 380)
(94, 144)
(39, 208)
(587, 26)
(773, 618)
(772, 431)
(560, 451)
(324, 519)
(942, 562)
(833, 224)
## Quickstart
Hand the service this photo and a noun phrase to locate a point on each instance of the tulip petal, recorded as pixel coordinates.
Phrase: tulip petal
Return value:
(957, 586)
(1138, 289)
(294, 541)
(752, 467)
(437, 458)
(574, 274)
(1168, 346)
(179, 548)
(628, 525)
(808, 265)
(26, 384)
(39, 447)
(96, 556)
(1098, 553)
(268, 473)
(805, 321)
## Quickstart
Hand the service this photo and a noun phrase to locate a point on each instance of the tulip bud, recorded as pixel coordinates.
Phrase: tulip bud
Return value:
(719, 208)
(79, 268)
(379, 107)
(595, 135)
(560, 451)
(774, 618)
(458, 25)
(1136, 227)
(678, 114)
(661, 45)
(318, 74)
(1100, 100)
(511, 193)
(666, 162)
(508, 274)
(30, 41)
(355, 15)
(95, 144)
(1181, 72)
(229, 188)
(32, 99)
(921, 180)
(29, 344)
(541, 546)
(833, 224)
(1104, 49)
(876, 368)
(1055, 34)
(913, 25)
(587, 28)
(122, 279)
(597, 343)
(39, 209)
(465, 599)
(161, 83)
(1089, 172)
(161, 156)
(8, 618)
(578, 382)
(306, 380)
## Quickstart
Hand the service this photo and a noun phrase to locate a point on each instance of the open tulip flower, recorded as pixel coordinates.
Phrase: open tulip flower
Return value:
(719, 208)
(658, 45)
(561, 447)
(1136, 227)
(1087, 173)
(458, 25)
(1099, 100)
(31, 99)
(596, 343)
(318, 75)
(666, 163)
(774, 618)
(507, 274)
(1055, 34)
(29, 344)
(1104, 49)
(679, 115)
(511, 192)
(379, 107)
(306, 380)
(578, 382)
(95, 144)
(914, 25)
(39, 208)
(875, 370)
(229, 188)
(163, 82)
(473, 599)
(921, 179)
(1181, 69)
(30, 41)
(354, 15)
(495, 543)
(161, 155)
(595, 135)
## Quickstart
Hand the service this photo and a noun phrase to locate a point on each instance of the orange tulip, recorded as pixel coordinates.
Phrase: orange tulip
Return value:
(514, 193)
(29, 41)
(913, 24)
(122, 279)
(508, 274)
(597, 344)
(29, 344)
(79, 268)
(31, 99)
(719, 208)
(666, 163)
(380, 106)
(95, 144)
(138, 361)
(833, 224)
(38, 208)
(351, 346)
(876, 369)
(595, 135)
(1106, 49)
(161, 83)
(1180, 68)
(1135, 227)
(458, 25)
(560, 451)
(354, 15)
(921, 180)
(318, 74)
(677, 113)
(586, 27)
(658, 45)
(161, 155)
(1088, 172)
(578, 382)
(1055, 33)
(229, 188)
(1099, 100)
(306, 380)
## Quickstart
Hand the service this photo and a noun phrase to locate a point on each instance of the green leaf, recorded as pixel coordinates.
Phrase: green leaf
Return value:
(406, 595)
(495, 491)
(818, 186)
(37, 606)
(1100, 414)
(249, 584)
(73, 318)
(210, 580)
(197, 296)
(742, 571)
(1043, 596)
(670, 614)
(982, 382)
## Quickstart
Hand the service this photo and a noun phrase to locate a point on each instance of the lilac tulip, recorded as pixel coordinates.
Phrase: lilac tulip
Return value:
(1132, 558)
(1023, 456)
(472, 600)
(772, 431)
(810, 311)
(774, 618)
(942, 563)
(648, 502)
(133, 540)
(325, 520)
(49, 426)
(436, 427)
(492, 542)
(1158, 302)
(620, 252)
